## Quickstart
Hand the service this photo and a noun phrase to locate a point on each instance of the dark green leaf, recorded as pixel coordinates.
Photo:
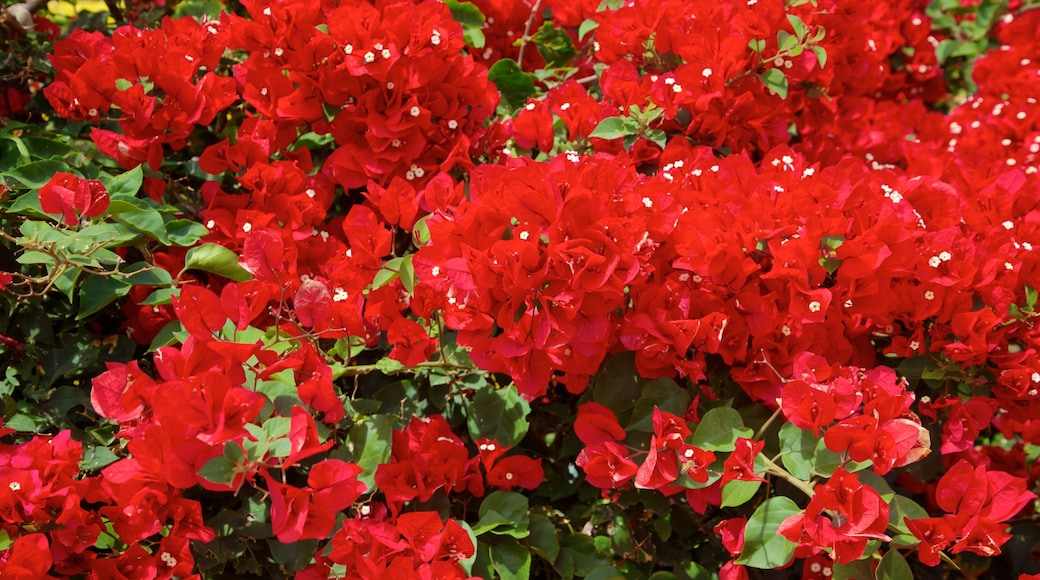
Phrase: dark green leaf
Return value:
(100, 291)
(514, 84)
(499, 415)
(36, 174)
(502, 512)
(543, 540)
(554, 44)
(618, 385)
(662, 393)
(511, 560)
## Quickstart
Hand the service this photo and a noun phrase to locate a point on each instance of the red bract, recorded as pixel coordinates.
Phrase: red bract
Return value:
(426, 456)
(606, 465)
(416, 545)
(73, 197)
(310, 512)
(596, 424)
(740, 465)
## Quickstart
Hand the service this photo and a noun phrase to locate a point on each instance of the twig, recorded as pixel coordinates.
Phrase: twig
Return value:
(527, 32)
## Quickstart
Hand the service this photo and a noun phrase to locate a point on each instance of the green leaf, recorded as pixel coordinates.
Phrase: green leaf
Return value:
(166, 336)
(763, 546)
(147, 221)
(587, 26)
(821, 55)
(390, 271)
(857, 570)
(100, 291)
(618, 385)
(719, 430)
(466, 13)
(615, 128)
(499, 415)
(605, 573)
(775, 80)
(737, 492)
(901, 508)
(578, 557)
(125, 184)
(1031, 296)
(797, 447)
(408, 273)
(185, 232)
(894, 567)
(503, 512)
(825, 461)
(798, 25)
(218, 260)
(514, 84)
(662, 393)
(144, 274)
(218, 470)
(369, 443)
(554, 44)
(36, 174)
(543, 540)
(43, 148)
(868, 477)
(97, 457)
(511, 560)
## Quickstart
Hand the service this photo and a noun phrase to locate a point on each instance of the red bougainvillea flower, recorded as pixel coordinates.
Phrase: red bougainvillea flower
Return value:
(740, 465)
(73, 197)
(606, 465)
(310, 512)
(596, 423)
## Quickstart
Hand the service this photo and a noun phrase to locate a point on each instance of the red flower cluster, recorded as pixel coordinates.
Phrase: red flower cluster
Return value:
(426, 457)
(44, 491)
(887, 432)
(417, 545)
(162, 81)
(607, 463)
(842, 516)
(73, 197)
(402, 98)
(977, 500)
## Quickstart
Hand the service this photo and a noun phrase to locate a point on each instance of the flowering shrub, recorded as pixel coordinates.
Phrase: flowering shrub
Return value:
(431, 289)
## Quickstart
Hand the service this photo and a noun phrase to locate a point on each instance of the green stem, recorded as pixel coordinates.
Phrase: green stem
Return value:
(774, 469)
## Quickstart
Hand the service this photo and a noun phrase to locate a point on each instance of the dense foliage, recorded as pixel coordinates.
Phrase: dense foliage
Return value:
(552, 288)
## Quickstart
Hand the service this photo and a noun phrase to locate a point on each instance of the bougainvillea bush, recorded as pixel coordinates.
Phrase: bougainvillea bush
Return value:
(509, 289)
